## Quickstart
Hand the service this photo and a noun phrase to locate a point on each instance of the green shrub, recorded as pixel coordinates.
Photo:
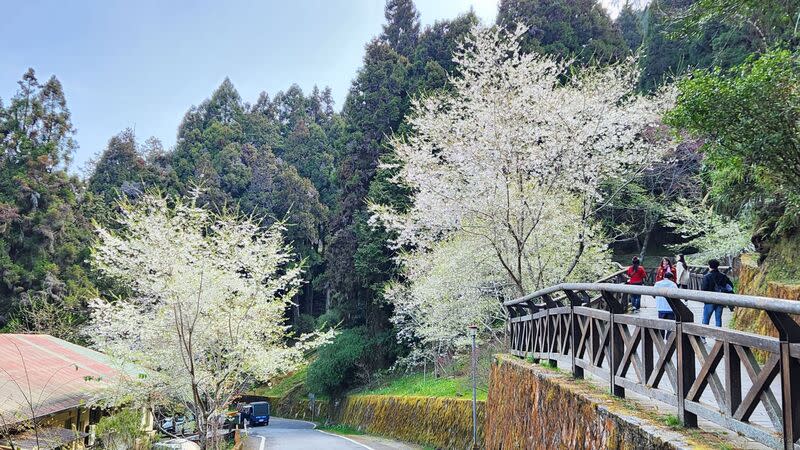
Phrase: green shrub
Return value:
(282, 386)
(121, 430)
(329, 320)
(305, 324)
(672, 421)
(336, 368)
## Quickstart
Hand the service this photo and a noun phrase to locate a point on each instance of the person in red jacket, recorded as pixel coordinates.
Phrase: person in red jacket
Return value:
(664, 268)
(636, 276)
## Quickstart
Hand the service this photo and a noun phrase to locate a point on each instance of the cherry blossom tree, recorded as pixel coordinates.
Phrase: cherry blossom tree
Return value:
(516, 155)
(447, 289)
(709, 234)
(457, 282)
(201, 306)
(506, 174)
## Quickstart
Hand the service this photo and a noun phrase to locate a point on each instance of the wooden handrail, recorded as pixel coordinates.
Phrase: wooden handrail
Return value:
(555, 324)
(745, 301)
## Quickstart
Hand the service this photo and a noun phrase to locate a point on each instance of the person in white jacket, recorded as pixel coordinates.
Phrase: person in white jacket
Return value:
(682, 273)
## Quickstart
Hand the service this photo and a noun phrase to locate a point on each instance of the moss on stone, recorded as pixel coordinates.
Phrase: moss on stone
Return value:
(525, 398)
(776, 276)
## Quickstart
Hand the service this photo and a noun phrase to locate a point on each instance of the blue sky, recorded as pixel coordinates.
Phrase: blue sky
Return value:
(142, 64)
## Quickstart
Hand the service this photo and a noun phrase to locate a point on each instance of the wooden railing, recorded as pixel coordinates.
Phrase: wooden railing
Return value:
(677, 362)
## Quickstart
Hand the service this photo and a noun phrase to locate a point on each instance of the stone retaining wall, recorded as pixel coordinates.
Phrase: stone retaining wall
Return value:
(534, 408)
(438, 422)
(444, 423)
(753, 281)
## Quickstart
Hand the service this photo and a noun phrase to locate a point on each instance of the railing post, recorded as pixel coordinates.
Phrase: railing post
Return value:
(686, 360)
(789, 333)
(550, 336)
(516, 334)
(733, 379)
(616, 345)
(530, 309)
(647, 354)
(574, 332)
(509, 338)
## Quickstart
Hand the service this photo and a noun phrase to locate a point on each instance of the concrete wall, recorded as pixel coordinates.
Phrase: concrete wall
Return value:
(534, 408)
(528, 407)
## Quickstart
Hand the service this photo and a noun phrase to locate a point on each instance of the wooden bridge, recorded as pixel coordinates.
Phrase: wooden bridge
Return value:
(583, 326)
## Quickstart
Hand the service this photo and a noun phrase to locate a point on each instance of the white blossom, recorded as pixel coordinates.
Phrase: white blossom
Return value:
(202, 302)
(711, 235)
(511, 163)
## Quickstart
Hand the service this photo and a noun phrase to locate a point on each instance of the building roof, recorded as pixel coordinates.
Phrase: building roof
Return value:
(48, 375)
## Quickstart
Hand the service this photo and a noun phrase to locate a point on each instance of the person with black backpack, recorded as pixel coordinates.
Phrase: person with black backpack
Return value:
(715, 281)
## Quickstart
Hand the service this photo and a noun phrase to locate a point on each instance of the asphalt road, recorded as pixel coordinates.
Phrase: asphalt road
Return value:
(287, 434)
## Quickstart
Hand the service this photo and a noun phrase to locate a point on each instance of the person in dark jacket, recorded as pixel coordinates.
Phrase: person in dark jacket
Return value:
(715, 281)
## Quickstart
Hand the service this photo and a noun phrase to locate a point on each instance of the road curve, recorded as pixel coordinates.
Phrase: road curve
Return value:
(287, 434)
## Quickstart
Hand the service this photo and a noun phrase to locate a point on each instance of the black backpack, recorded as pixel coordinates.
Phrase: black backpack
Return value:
(722, 284)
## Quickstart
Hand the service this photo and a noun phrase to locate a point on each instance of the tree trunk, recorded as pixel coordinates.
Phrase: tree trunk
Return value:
(200, 416)
(327, 299)
(643, 248)
(310, 298)
(576, 258)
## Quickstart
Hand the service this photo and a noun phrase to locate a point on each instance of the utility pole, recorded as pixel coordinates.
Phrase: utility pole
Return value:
(473, 331)
(312, 403)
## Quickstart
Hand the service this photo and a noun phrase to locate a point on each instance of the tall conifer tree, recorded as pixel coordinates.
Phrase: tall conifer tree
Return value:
(566, 28)
(43, 236)
(401, 30)
(629, 22)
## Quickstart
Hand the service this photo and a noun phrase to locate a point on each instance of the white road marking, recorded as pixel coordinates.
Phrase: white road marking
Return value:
(345, 438)
(263, 439)
(314, 426)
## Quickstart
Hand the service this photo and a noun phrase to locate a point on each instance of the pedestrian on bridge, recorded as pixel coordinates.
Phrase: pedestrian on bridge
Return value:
(664, 268)
(636, 276)
(664, 310)
(715, 281)
(682, 273)
(662, 305)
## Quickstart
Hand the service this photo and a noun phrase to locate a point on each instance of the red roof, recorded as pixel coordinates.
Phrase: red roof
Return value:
(48, 373)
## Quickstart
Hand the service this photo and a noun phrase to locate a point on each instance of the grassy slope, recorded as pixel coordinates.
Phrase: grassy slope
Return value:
(284, 385)
(408, 385)
(419, 385)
